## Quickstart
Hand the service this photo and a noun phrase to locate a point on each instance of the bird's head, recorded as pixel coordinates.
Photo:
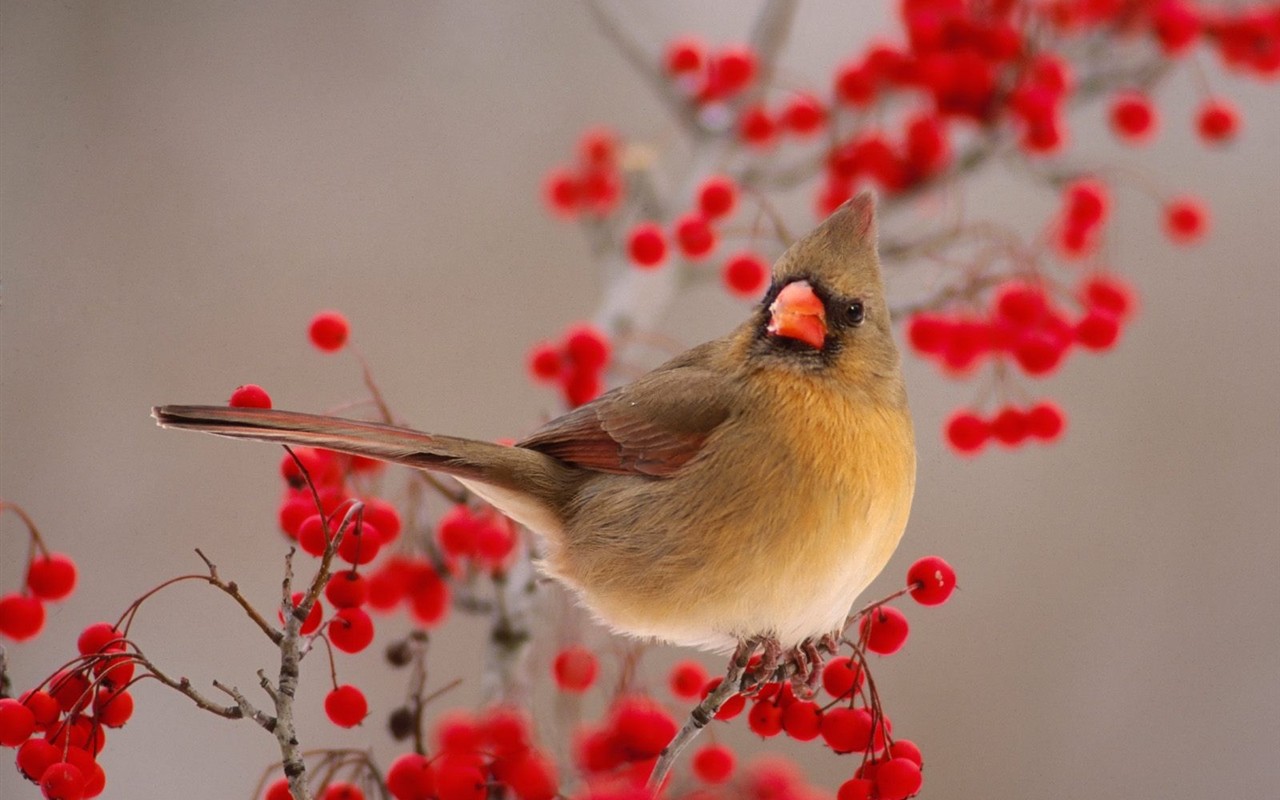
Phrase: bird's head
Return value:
(825, 310)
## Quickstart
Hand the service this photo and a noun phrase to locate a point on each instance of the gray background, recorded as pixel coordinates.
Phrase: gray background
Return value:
(184, 184)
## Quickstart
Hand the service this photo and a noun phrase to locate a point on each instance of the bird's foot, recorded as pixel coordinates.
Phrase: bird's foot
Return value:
(806, 661)
(766, 668)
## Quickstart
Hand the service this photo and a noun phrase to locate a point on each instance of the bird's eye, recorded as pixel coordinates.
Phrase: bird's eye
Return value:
(855, 313)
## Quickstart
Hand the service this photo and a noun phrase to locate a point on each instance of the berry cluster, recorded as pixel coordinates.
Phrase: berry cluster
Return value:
(50, 578)
(592, 186)
(576, 363)
(59, 727)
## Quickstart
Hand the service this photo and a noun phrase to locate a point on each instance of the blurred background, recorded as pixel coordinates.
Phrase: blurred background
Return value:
(183, 185)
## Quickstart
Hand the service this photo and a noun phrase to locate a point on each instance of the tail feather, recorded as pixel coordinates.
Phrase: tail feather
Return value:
(515, 468)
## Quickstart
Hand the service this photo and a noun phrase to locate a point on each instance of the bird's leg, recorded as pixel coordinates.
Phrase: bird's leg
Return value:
(806, 661)
(770, 658)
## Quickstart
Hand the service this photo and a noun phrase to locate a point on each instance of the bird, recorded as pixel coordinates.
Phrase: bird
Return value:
(747, 490)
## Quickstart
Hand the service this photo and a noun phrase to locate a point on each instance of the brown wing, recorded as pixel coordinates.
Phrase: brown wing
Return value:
(653, 426)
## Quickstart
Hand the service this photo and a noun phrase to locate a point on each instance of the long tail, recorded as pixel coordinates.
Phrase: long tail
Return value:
(514, 468)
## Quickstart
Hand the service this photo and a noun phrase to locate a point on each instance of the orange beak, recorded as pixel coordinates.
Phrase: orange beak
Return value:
(797, 313)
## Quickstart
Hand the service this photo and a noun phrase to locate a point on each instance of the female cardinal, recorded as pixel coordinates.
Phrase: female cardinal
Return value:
(745, 491)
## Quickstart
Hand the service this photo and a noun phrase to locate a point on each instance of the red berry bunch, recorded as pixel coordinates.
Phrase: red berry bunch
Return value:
(414, 583)
(576, 363)
(59, 727)
(486, 537)
(709, 77)
(967, 432)
(619, 752)
(474, 754)
(50, 578)
(593, 184)
(802, 115)
(1086, 205)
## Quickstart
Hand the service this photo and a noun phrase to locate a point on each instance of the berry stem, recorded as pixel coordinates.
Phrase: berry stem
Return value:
(32, 530)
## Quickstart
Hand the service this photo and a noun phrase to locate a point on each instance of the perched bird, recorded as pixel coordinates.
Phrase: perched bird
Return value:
(746, 490)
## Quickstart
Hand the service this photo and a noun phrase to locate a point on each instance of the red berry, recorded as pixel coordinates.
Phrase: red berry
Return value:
(341, 790)
(1132, 117)
(347, 589)
(644, 728)
(329, 331)
(459, 779)
(647, 245)
(346, 706)
(1185, 220)
(927, 147)
(735, 68)
(802, 720)
(113, 709)
(1176, 25)
(842, 677)
(694, 236)
(1045, 421)
(545, 362)
(855, 84)
(383, 516)
(311, 535)
(530, 776)
(898, 778)
(1086, 202)
(350, 630)
(849, 730)
(62, 781)
(967, 432)
(1097, 330)
(928, 333)
(717, 196)
(581, 386)
(856, 789)
(506, 730)
(428, 597)
(587, 346)
(17, 722)
(601, 190)
(765, 718)
(250, 395)
(803, 115)
(1217, 120)
(562, 191)
(905, 748)
(684, 55)
(456, 532)
(295, 508)
(598, 147)
(495, 540)
(575, 669)
(731, 707)
(713, 763)
(687, 679)
(360, 544)
(43, 706)
(51, 577)
(313, 617)
(456, 731)
(1038, 354)
(1010, 426)
(745, 274)
(21, 617)
(757, 126)
(411, 777)
(1109, 293)
(931, 580)
(885, 630)
(1020, 304)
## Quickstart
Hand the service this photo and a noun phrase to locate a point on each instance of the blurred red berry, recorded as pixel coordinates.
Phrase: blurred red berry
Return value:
(17, 722)
(1133, 118)
(757, 126)
(329, 331)
(1185, 220)
(21, 617)
(717, 196)
(250, 395)
(967, 432)
(545, 362)
(931, 580)
(563, 192)
(731, 707)
(1010, 426)
(598, 147)
(734, 68)
(803, 114)
(694, 236)
(684, 55)
(1086, 202)
(1045, 421)
(1108, 293)
(745, 274)
(575, 669)
(1097, 330)
(713, 763)
(1217, 121)
(647, 245)
(411, 777)
(687, 679)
